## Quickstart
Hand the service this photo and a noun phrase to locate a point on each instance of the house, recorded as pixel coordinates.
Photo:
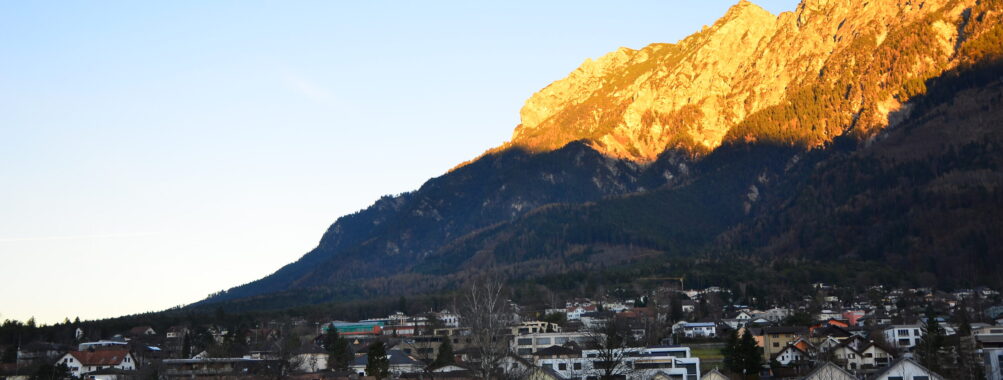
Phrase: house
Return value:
(714, 374)
(596, 319)
(574, 312)
(356, 328)
(993, 359)
(309, 359)
(176, 332)
(103, 344)
(537, 373)
(987, 329)
(82, 362)
(699, 329)
(448, 318)
(905, 369)
(688, 306)
(774, 315)
(110, 374)
(139, 331)
(853, 316)
(775, 339)
(829, 371)
(903, 336)
(858, 353)
(219, 367)
(400, 363)
(791, 354)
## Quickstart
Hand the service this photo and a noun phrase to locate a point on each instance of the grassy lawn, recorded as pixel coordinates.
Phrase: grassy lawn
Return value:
(708, 353)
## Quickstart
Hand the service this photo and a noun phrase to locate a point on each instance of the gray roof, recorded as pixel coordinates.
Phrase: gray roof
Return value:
(397, 357)
(899, 362)
(831, 367)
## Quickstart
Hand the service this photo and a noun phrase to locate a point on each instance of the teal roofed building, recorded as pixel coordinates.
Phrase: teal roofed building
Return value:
(355, 328)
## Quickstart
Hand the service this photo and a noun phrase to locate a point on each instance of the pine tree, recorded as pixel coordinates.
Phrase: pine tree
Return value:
(445, 355)
(377, 364)
(339, 354)
(731, 360)
(933, 341)
(186, 347)
(748, 351)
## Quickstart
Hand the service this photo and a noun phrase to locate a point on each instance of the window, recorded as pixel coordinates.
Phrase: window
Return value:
(524, 351)
(525, 342)
(542, 340)
(903, 342)
(895, 378)
(904, 332)
(776, 344)
(577, 366)
(921, 378)
(560, 340)
(562, 366)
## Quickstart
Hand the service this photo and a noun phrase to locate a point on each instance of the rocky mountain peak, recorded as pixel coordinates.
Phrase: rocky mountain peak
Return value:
(748, 66)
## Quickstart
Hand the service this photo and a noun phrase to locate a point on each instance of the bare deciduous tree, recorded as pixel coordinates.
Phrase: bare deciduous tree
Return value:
(610, 342)
(485, 310)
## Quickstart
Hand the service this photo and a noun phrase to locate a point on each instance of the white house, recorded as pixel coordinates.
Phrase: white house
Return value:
(82, 362)
(790, 354)
(905, 369)
(859, 354)
(903, 336)
(699, 329)
(448, 318)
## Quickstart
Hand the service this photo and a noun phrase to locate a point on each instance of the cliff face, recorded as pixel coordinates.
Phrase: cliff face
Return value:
(635, 104)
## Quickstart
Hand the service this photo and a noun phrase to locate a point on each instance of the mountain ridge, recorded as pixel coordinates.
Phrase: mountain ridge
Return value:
(565, 192)
(635, 104)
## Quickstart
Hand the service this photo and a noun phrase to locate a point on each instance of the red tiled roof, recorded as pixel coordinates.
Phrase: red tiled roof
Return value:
(96, 358)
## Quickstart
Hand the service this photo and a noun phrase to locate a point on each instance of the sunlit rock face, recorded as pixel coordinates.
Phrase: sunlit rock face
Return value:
(635, 104)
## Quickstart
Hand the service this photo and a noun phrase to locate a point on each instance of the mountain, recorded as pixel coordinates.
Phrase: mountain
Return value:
(801, 78)
(860, 130)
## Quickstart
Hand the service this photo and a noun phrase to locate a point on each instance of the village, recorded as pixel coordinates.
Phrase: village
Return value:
(667, 333)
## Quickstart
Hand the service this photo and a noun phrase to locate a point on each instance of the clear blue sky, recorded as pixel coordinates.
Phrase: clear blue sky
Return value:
(152, 153)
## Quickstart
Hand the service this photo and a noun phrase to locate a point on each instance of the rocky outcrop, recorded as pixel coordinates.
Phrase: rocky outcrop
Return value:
(635, 104)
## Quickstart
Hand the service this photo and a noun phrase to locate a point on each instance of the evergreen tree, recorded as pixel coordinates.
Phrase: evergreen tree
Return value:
(731, 361)
(377, 363)
(741, 355)
(186, 347)
(446, 355)
(9, 355)
(339, 354)
(964, 321)
(749, 354)
(676, 308)
(933, 341)
(51, 372)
